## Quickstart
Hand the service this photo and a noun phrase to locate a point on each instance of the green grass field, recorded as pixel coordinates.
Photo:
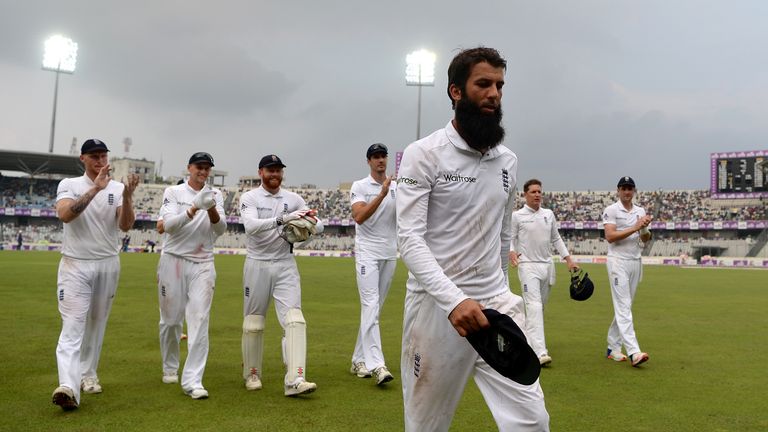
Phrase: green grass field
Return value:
(705, 330)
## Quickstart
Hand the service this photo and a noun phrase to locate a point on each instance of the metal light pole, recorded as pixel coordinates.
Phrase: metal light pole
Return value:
(420, 72)
(60, 56)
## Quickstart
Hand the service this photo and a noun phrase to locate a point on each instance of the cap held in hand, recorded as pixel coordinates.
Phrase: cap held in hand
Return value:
(581, 285)
(504, 347)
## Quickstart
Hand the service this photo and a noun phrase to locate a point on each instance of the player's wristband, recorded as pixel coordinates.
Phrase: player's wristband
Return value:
(279, 220)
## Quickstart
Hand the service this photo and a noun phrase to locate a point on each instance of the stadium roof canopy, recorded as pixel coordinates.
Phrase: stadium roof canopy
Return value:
(35, 164)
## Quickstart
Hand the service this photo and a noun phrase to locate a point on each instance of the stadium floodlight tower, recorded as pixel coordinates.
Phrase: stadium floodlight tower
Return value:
(60, 56)
(420, 72)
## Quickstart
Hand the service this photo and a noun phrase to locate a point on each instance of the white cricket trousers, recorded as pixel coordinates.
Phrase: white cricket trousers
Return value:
(624, 275)
(86, 289)
(436, 363)
(185, 291)
(278, 279)
(374, 277)
(263, 280)
(535, 284)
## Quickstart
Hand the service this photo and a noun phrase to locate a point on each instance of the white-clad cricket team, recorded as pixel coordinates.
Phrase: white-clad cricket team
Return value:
(450, 213)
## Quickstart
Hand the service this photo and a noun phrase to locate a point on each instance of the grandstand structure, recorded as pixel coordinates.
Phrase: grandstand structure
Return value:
(690, 226)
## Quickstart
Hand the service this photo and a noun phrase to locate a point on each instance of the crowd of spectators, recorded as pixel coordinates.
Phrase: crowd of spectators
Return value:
(21, 192)
(333, 204)
(697, 205)
(574, 206)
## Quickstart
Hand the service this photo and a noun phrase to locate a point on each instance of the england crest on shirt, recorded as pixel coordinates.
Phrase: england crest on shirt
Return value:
(505, 179)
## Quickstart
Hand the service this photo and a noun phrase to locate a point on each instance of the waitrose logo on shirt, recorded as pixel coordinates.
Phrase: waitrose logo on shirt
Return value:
(459, 178)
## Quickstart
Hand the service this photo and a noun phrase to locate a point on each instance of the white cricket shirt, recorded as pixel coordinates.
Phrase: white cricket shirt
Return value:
(376, 238)
(94, 234)
(258, 212)
(453, 217)
(534, 232)
(191, 239)
(616, 214)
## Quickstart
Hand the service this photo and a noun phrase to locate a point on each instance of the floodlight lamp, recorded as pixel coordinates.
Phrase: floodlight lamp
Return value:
(420, 69)
(60, 54)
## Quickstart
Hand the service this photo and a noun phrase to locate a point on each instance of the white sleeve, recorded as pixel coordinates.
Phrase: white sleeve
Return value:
(221, 226)
(170, 213)
(515, 232)
(557, 241)
(415, 181)
(249, 216)
(609, 216)
(506, 230)
(356, 194)
(64, 190)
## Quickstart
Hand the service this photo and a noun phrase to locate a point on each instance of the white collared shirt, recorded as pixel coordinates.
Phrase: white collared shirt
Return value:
(454, 206)
(258, 212)
(534, 232)
(616, 214)
(376, 238)
(95, 233)
(191, 239)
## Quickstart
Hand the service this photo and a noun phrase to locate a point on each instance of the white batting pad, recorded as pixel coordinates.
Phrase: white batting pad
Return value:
(295, 345)
(253, 343)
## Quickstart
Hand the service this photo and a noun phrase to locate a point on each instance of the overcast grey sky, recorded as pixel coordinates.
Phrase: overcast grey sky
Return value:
(595, 89)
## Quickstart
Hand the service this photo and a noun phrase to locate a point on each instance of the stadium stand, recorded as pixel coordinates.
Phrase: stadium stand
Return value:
(688, 222)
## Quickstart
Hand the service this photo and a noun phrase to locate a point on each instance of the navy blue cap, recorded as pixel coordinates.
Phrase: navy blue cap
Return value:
(504, 347)
(626, 181)
(201, 157)
(271, 160)
(93, 145)
(376, 148)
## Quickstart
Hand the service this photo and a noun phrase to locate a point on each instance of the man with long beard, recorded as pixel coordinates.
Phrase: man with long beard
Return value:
(454, 202)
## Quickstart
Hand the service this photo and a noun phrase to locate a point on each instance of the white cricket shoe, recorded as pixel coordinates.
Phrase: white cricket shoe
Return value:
(382, 375)
(360, 370)
(300, 387)
(90, 385)
(545, 359)
(170, 378)
(198, 393)
(615, 355)
(253, 382)
(65, 398)
(639, 358)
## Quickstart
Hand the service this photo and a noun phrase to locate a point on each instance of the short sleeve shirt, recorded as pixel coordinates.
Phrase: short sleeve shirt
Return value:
(616, 214)
(376, 238)
(95, 233)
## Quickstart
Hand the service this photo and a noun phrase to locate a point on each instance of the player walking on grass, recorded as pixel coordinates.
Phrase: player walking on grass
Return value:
(270, 271)
(534, 232)
(626, 225)
(93, 208)
(455, 197)
(373, 208)
(191, 219)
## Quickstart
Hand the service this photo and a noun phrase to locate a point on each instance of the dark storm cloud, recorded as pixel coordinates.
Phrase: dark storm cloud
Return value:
(594, 89)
